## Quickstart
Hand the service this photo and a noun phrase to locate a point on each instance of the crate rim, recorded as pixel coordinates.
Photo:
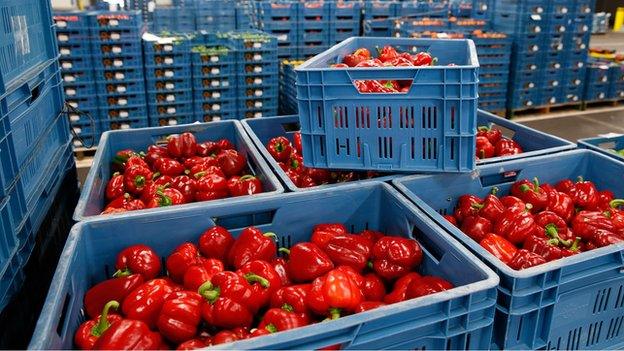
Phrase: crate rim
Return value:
(473, 58)
(586, 143)
(474, 246)
(62, 270)
(79, 214)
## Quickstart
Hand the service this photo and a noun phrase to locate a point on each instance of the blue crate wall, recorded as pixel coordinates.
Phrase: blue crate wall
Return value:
(494, 55)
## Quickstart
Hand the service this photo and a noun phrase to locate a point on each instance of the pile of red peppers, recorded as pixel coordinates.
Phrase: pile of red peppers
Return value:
(538, 223)
(492, 143)
(223, 289)
(179, 172)
(289, 157)
(387, 56)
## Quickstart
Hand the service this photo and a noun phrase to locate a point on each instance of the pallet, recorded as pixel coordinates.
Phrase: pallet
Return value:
(602, 103)
(544, 109)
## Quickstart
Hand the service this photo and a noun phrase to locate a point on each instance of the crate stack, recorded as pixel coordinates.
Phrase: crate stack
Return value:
(178, 19)
(461, 8)
(378, 18)
(73, 36)
(287, 88)
(118, 61)
(35, 140)
(244, 14)
(550, 49)
(313, 27)
(598, 84)
(168, 79)
(215, 15)
(345, 18)
(214, 83)
(494, 51)
(145, 6)
(256, 73)
(279, 18)
(616, 82)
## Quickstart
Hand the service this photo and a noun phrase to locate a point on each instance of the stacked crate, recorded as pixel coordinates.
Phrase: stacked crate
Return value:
(256, 72)
(214, 83)
(378, 18)
(345, 18)
(174, 19)
(494, 51)
(279, 18)
(118, 61)
(73, 36)
(616, 81)
(313, 27)
(287, 88)
(168, 80)
(598, 81)
(215, 15)
(145, 6)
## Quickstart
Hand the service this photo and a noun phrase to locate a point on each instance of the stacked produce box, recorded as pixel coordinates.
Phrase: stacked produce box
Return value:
(616, 81)
(287, 88)
(598, 80)
(76, 61)
(174, 19)
(168, 79)
(118, 61)
(280, 19)
(215, 15)
(378, 18)
(494, 51)
(344, 20)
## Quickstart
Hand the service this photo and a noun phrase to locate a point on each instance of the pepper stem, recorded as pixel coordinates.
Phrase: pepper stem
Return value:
(524, 188)
(477, 206)
(139, 180)
(575, 244)
(271, 328)
(369, 264)
(553, 233)
(164, 199)
(199, 174)
(120, 273)
(484, 129)
(579, 179)
(155, 175)
(116, 174)
(247, 176)
(208, 292)
(284, 250)
(616, 203)
(254, 278)
(494, 191)
(288, 308)
(103, 324)
(536, 183)
(334, 313)
(270, 234)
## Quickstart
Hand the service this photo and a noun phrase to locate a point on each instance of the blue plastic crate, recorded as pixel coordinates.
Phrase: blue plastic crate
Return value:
(83, 117)
(553, 78)
(168, 59)
(13, 213)
(578, 42)
(377, 8)
(277, 9)
(573, 93)
(121, 74)
(314, 10)
(70, 20)
(415, 323)
(468, 25)
(584, 7)
(523, 61)
(493, 77)
(387, 146)
(306, 52)
(214, 83)
(85, 128)
(176, 71)
(261, 130)
(121, 100)
(116, 20)
(71, 90)
(213, 95)
(256, 112)
(215, 116)
(124, 124)
(251, 40)
(183, 83)
(77, 63)
(556, 43)
(530, 43)
(518, 22)
(493, 105)
(534, 305)
(112, 88)
(596, 92)
(261, 57)
(521, 99)
(260, 80)
(551, 95)
(169, 45)
(482, 9)
(486, 88)
(123, 112)
(598, 72)
(166, 97)
(248, 69)
(345, 11)
(170, 108)
(257, 91)
(492, 46)
(257, 103)
(27, 41)
(558, 23)
(336, 37)
(214, 106)
(118, 62)
(581, 24)
(83, 102)
(74, 50)
(92, 198)
(527, 79)
(172, 120)
(287, 53)
(279, 27)
(607, 145)
(616, 91)
(122, 49)
(74, 36)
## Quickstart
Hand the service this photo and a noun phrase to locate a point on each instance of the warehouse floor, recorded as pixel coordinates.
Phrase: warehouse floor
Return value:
(573, 124)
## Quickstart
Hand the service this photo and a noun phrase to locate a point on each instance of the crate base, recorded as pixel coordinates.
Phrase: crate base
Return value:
(544, 109)
(18, 319)
(602, 103)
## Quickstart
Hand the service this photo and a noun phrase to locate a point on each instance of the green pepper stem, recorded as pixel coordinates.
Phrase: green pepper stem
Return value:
(536, 183)
(334, 313)
(199, 174)
(284, 250)
(553, 234)
(616, 203)
(369, 264)
(270, 234)
(120, 273)
(288, 308)
(484, 129)
(579, 179)
(477, 206)
(139, 180)
(271, 328)
(575, 244)
(155, 175)
(494, 191)
(116, 174)
(247, 176)
(103, 324)
(164, 199)
(208, 292)
(254, 278)
(524, 188)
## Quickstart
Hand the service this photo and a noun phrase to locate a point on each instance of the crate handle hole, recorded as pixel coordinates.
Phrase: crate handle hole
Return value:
(291, 127)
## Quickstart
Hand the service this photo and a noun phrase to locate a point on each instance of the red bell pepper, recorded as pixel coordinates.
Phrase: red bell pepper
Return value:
(251, 245)
(485, 149)
(476, 227)
(368, 305)
(280, 266)
(295, 164)
(196, 160)
(515, 225)
(513, 202)
(207, 148)
(112, 289)
(136, 178)
(305, 181)
(615, 214)
(284, 318)
(498, 246)
(350, 250)
(231, 162)
(259, 332)
(168, 166)
(371, 235)
(319, 175)
(183, 257)
(224, 144)
(245, 185)
(186, 186)
(333, 293)
(198, 274)
(506, 147)
(263, 279)
(491, 208)
(352, 60)
(180, 316)
(524, 259)
(297, 142)
(139, 259)
(603, 237)
(373, 288)
(604, 199)
(323, 233)
(89, 331)
(530, 193)
(550, 225)
(165, 197)
(451, 219)
(154, 152)
(423, 59)
(466, 206)
(395, 256)
(135, 161)
(224, 337)
(161, 180)
(585, 195)
(216, 242)
(222, 307)
(115, 186)
(280, 148)
(209, 165)
(195, 344)
(128, 334)
(293, 296)
(492, 134)
(144, 302)
(399, 289)
(120, 158)
(307, 262)
(387, 53)
(426, 285)
(183, 145)
(559, 203)
(549, 248)
(586, 223)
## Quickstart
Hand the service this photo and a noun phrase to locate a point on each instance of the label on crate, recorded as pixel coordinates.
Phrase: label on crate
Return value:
(258, 93)
(604, 79)
(169, 74)
(258, 115)
(168, 48)
(258, 104)
(257, 81)
(601, 95)
(113, 22)
(214, 58)
(74, 117)
(257, 69)
(123, 114)
(122, 102)
(216, 118)
(282, 37)
(582, 46)
(70, 92)
(555, 83)
(119, 76)
(173, 122)
(67, 65)
(216, 95)
(257, 45)
(169, 86)
(216, 107)
(73, 104)
(124, 126)
(77, 130)
(115, 36)
(77, 143)
(61, 24)
(215, 70)
(537, 29)
(168, 60)
(65, 51)
(226, 83)
(559, 47)
(215, 83)
(118, 63)
(170, 97)
(69, 78)
(171, 110)
(116, 49)
(257, 57)
(121, 89)
(62, 37)
(577, 81)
